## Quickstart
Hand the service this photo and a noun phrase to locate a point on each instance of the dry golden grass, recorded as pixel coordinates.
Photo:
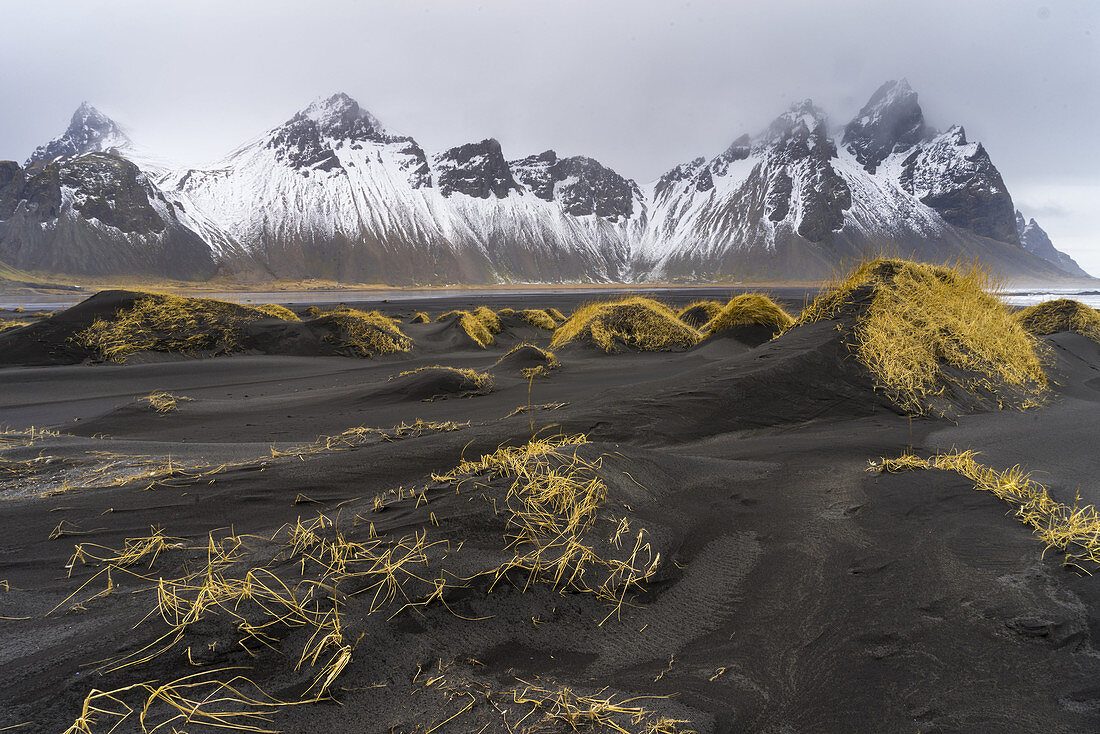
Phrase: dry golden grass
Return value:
(279, 312)
(534, 316)
(597, 712)
(1053, 317)
(555, 314)
(164, 402)
(550, 506)
(474, 382)
(632, 323)
(698, 313)
(481, 324)
(420, 318)
(164, 323)
(922, 330)
(364, 333)
(749, 309)
(1074, 530)
(6, 324)
(550, 361)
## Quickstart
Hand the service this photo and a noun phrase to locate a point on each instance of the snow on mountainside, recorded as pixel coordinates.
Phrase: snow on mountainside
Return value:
(332, 193)
(794, 202)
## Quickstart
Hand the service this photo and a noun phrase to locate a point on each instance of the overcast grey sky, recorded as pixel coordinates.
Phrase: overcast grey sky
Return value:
(639, 84)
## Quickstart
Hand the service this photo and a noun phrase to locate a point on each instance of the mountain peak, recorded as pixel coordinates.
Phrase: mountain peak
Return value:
(891, 121)
(338, 116)
(89, 131)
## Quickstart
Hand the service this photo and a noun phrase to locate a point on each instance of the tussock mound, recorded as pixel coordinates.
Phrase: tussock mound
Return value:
(634, 323)
(277, 311)
(752, 317)
(555, 314)
(1055, 317)
(529, 360)
(699, 313)
(118, 326)
(438, 382)
(362, 333)
(481, 324)
(420, 318)
(933, 338)
(533, 316)
(155, 322)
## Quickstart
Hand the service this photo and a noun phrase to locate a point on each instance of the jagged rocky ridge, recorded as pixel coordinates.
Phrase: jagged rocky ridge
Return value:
(332, 193)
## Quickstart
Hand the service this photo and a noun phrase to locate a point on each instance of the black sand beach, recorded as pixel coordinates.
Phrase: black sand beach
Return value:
(787, 589)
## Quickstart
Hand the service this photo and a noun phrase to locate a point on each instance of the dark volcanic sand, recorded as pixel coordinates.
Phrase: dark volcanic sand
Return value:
(797, 592)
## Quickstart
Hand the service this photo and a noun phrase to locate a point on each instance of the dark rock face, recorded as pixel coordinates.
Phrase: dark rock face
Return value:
(112, 190)
(581, 185)
(960, 182)
(891, 121)
(309, 140)
(475, 169)
(89, 131)
(798, 151)
(1036, 241)
(94, 214)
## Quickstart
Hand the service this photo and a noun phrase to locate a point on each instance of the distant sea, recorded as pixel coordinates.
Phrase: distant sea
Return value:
(1031, 297)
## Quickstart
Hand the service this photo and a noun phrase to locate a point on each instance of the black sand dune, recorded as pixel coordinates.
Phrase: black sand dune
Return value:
(794, 591)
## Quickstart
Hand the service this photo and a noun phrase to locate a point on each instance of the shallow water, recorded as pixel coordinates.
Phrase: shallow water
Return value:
(1031, 297)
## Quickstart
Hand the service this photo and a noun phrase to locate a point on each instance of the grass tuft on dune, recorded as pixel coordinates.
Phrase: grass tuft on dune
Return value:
(473, 382)
(420, 318)
(364, 333)
(1053, 317)
(749, 309)
(534, 316)
(637, 323)
(159, 322)
(924, 330)
(481, 324)
(279, 312)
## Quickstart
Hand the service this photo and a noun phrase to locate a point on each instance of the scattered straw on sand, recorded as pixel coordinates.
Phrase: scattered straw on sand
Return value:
(1074, 530)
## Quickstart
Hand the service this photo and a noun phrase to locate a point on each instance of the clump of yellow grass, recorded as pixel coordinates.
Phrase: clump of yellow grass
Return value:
(481, 324)
(365, 333)
(276, 311)
(923, 330)
(473, 381)
(420, 318)
(636, 323)
(1074, 530)
(550, 360)
(749, 309)
(6, 325)
(1053, 317)
(534, 316)
(165, 323)
(555, 314)
(698, 313)
(165, 402)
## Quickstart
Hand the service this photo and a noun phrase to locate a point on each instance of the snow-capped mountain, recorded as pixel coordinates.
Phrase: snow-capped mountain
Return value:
(796, 200)
(1036, 241)
(332, 193)
(86, 204)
